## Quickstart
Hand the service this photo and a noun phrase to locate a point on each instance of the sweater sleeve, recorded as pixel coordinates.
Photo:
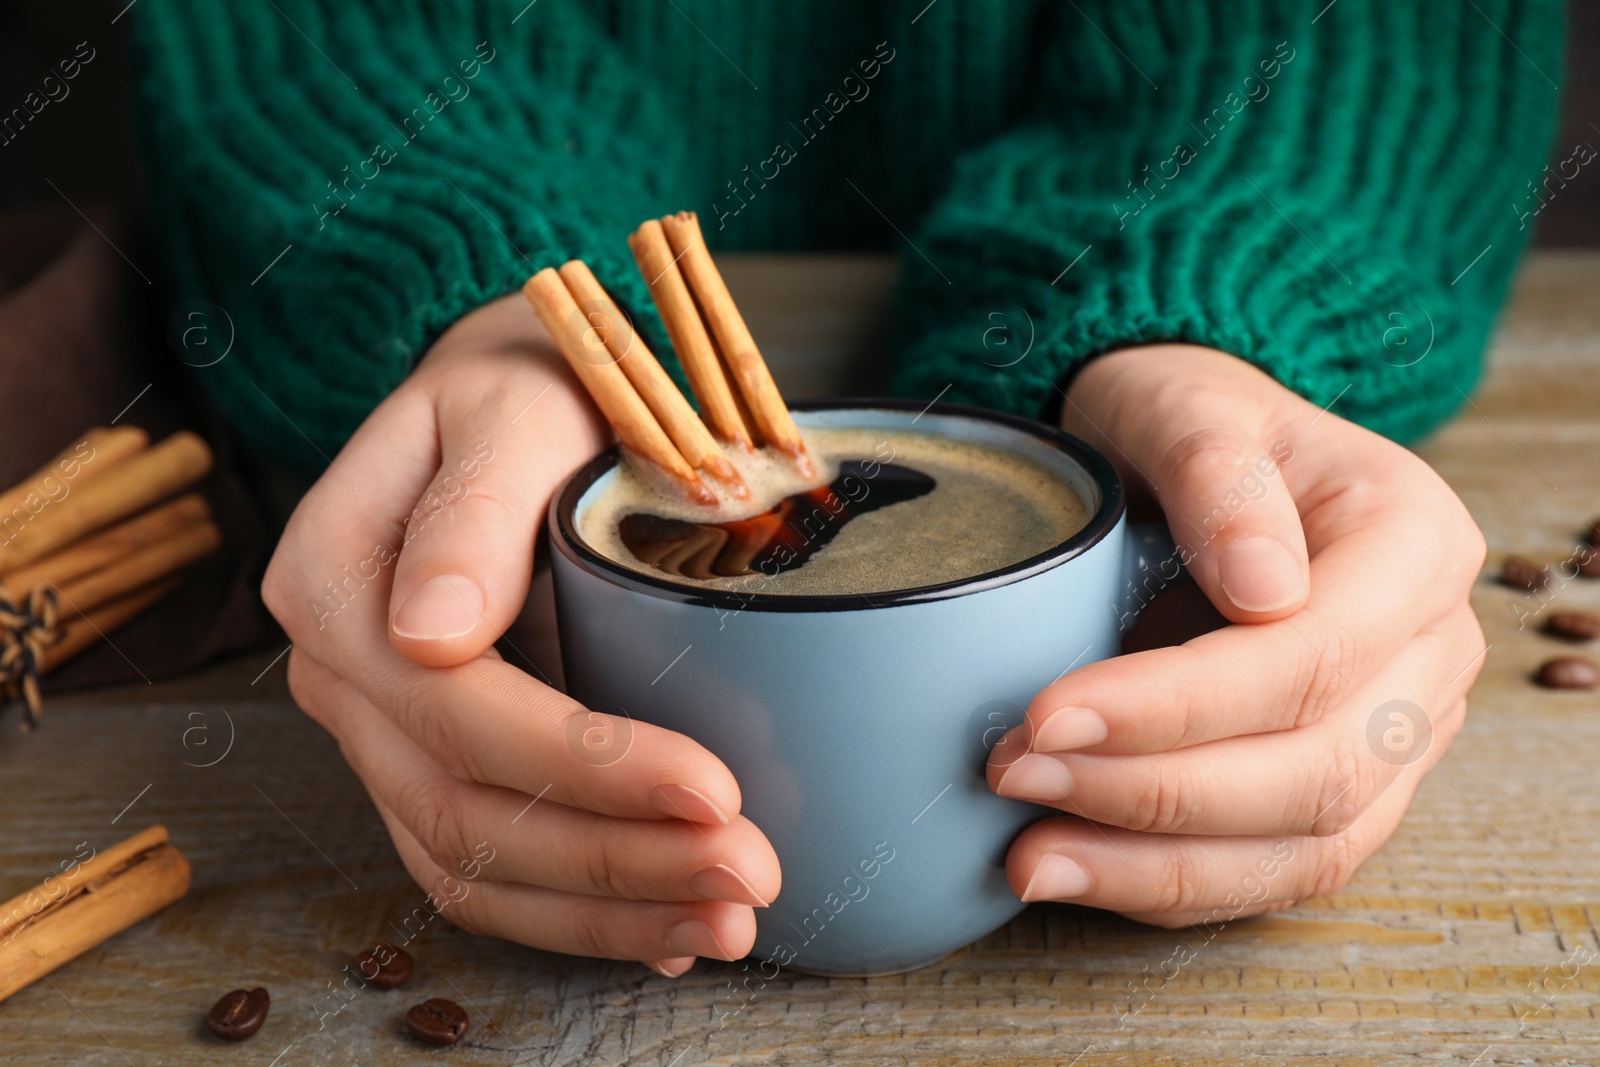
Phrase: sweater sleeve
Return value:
(1337, 193)
(344, 180)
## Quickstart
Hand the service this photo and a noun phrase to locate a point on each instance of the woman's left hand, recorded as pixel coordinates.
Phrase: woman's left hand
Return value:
(1262, 763)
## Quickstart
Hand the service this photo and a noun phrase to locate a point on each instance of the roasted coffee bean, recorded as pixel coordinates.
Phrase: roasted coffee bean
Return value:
(239, 1014)
(1569, 672)
(383, 966)
(1521, 573)
(1594, 532)
(437, 1021)
(1588, 562)
(1573, 625)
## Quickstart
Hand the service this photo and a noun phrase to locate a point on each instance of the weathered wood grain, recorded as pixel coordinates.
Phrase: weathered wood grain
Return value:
(1478, 912)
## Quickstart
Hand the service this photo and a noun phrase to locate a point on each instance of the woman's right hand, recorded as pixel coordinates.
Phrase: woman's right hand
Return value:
(524, 814)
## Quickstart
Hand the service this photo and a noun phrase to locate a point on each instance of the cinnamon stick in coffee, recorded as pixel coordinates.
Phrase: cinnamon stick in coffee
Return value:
(129, 487)
(693, 344)
(658, 391)
(70, 913)
(597, 369)
(773, 423)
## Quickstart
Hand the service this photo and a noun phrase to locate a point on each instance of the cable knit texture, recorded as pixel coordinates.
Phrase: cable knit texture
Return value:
(1332, 193)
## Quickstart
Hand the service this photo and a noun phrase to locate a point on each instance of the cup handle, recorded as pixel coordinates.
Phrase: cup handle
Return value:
(1151, 564)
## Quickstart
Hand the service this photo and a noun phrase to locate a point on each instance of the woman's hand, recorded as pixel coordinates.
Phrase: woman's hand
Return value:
(1261, 763)
(524, 814)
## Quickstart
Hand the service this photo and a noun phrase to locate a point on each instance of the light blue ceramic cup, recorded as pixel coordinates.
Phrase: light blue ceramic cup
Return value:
(858, 726)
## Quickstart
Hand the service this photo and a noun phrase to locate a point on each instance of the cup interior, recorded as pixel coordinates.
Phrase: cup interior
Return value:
(1083, 470)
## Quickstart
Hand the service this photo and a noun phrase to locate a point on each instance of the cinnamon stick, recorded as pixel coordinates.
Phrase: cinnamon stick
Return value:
(97, 451)
(129, 487)
(657, 390)
(113, 544)
(138, 569)
(597, 369)
(69, 914)
(688, 333)
(85, 630)
(773, 423)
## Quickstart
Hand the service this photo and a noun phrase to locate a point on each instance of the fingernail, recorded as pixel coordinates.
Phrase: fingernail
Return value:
(1056, 878)
(694, 938)
(724, 883)
(681, 802)
(673, 968)
(1070, 728)
(1036, 777)
(1261, 574)
(444, 606)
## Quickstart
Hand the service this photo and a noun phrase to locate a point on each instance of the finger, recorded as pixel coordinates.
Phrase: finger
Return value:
(671, 968)
(1208, 920)
(1319, 778)
(349, 516)
(578, 925)
(537, 841)
(1153, 875)
(487, 722)
(467, 559)
(1216, 474)
(1370, 594)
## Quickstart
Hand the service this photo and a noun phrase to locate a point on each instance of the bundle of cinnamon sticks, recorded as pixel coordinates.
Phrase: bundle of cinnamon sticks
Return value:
(741, 405)
(90, 540)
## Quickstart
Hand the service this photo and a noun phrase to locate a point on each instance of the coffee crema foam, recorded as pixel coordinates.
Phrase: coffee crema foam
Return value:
(990, 508)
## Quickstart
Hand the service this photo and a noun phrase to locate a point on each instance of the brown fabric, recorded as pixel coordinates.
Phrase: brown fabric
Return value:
(81, 335)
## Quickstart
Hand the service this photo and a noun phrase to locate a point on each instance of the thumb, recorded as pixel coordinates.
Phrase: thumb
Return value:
(467, 553)
(1231, 512)
(1196, 423)
(465, 561)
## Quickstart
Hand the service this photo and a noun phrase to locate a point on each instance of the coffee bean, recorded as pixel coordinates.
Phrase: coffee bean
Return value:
(1594, 532)
(1569, 672)
(437, 1021)
(383, 966)
(1521, 573)
(1589, 562)
(1573, 625)
(239, 1014)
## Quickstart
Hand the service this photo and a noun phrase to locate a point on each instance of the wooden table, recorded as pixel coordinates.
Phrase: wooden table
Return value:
(1478, 912)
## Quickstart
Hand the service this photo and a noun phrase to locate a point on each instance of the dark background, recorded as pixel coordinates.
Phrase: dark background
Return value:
(89, 154)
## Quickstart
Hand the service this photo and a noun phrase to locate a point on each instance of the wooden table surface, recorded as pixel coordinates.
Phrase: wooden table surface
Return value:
(1463, 941)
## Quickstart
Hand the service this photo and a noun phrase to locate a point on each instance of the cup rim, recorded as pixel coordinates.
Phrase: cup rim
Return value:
(566, 539)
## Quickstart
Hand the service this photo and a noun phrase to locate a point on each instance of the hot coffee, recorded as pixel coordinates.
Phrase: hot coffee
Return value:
(898, 510)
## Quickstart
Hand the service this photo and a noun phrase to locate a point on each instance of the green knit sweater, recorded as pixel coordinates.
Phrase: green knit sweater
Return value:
(1336, 192)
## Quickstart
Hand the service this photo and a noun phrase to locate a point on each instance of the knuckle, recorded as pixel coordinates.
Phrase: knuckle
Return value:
(299, 681)
(1338, 859)
(1475, 547)
(1347, 788)
(453, 502)
(1182, 885)
(276, 591)
(603, 869)
(588, 929)
(433, 807)
(431, 726)
(1323, 672)
(1204, 452)
(467, 914)
(1448, 725)
(1161, 804)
